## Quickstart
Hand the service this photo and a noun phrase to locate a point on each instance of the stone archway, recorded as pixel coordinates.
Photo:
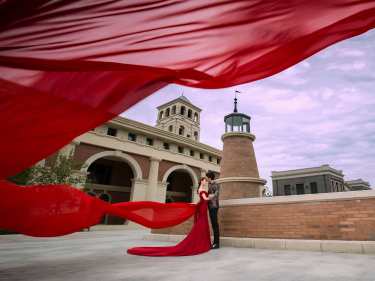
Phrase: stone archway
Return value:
(181, 184)
(111, 176)
(121, 155)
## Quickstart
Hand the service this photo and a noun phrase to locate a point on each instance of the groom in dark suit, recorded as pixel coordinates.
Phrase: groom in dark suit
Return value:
(213, 207)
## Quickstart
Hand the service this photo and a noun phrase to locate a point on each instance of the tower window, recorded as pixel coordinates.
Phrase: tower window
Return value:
(111, 132)
(183, 110)
(180, 149)
(181, 131)
(166, 146)
(149, 142)
(196, 136)
(167, 113)
(174, 109)
(170, 128)
(210, 158)
(161, 115)
(218, 161)
(132, 137)
(190, 113)
(188, 136)
(192, 153)
(195, 117)
(201, 155)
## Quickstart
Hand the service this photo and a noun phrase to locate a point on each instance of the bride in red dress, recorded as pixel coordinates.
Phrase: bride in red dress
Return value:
(196, 242)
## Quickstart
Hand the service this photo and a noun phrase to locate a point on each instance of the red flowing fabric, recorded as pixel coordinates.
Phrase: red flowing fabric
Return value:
(54, 210)
(198, 240)
(68, 66)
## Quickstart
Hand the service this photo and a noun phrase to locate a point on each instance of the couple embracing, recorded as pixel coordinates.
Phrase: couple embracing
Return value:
(198, 239)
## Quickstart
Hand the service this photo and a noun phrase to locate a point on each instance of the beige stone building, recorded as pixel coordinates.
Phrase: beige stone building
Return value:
(128, 160)
(358, 184)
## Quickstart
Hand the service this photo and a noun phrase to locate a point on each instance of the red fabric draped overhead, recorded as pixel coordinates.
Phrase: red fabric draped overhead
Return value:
(67, 66)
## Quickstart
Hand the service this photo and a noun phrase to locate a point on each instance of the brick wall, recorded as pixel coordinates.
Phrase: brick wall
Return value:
(329, 216)
(238, 158)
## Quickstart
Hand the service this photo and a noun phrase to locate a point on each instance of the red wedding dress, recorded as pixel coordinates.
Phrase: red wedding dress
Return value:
(196, 242)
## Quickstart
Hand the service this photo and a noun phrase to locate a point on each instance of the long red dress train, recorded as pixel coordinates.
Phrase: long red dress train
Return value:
(54, 210)
(196, 242)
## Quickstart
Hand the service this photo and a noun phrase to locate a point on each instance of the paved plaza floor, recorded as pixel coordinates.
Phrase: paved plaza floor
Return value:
(101, 255)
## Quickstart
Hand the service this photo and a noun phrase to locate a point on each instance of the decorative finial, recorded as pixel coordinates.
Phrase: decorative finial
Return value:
(235, 100)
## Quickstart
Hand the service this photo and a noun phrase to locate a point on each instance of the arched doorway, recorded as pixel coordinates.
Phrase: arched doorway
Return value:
(179, 187)
(181, 182)
(110, 178)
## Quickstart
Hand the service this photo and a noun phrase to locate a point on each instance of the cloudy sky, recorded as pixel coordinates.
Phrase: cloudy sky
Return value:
(321, 111)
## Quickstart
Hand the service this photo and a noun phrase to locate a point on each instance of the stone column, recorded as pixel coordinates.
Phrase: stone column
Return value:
(139, 190)
(203, 172)
(152, 190)
(161, 192)
(138, 193)
(195, 195)
(194, 189)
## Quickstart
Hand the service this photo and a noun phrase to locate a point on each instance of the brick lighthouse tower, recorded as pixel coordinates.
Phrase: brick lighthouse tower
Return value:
(239, 176)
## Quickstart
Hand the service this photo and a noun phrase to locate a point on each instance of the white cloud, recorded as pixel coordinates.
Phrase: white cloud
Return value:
(356, 65)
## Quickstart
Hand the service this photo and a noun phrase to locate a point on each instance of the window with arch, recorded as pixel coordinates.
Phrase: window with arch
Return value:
(181, 130)
(190, 113)
(182, 110)
(161, 115)
(195, 117)
(174, 109)
(167, 112)
(170, 128)
(196, 136)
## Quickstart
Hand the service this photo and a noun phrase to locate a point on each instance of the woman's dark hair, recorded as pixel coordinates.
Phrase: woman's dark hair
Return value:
(200, 183)
(210, 175)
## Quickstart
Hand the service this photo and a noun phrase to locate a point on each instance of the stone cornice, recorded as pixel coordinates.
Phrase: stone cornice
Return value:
(238, 134)
(314, 171)
(163, 135)
(241, 179)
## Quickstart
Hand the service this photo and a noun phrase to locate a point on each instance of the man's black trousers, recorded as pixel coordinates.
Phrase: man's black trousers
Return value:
(214, 224)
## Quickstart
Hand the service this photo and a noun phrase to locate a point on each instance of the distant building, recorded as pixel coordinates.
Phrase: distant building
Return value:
(358, 184)
(307, 181)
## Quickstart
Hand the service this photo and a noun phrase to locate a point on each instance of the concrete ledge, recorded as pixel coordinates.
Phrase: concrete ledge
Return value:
(335, 246)
(128, 226)
(332, 196)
